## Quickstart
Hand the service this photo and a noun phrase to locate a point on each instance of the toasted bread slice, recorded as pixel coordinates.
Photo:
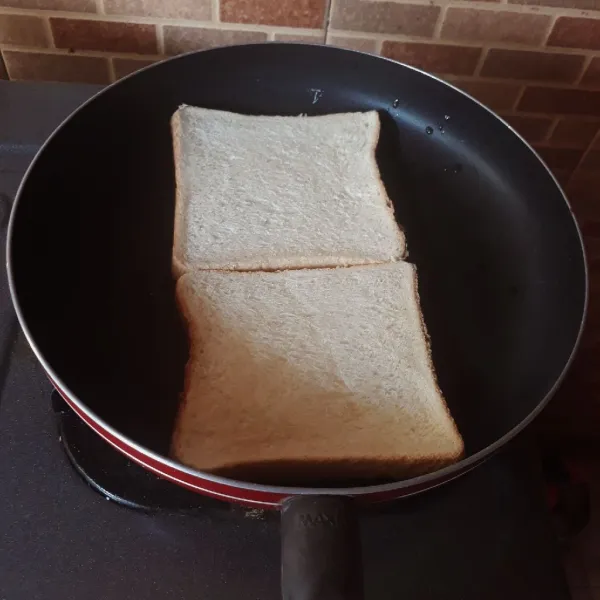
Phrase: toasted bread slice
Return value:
(267, 193)
(302, 375)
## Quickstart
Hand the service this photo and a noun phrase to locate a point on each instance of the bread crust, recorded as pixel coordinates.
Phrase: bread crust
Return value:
(184, 396)
(461, 448)
(401, 238)
(178, 261)
(324, 471)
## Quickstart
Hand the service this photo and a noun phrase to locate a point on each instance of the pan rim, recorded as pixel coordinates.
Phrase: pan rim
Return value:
(423, 482)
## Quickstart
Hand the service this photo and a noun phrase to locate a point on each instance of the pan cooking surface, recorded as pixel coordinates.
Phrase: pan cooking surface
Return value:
(500, 263)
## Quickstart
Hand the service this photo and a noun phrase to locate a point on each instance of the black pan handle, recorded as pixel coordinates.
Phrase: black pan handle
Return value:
(320, 549)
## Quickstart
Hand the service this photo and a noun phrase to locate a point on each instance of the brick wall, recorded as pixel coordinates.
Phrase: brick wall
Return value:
(536, 62)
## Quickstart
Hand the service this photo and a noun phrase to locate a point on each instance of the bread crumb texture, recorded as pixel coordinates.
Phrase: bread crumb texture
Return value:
(257, 192)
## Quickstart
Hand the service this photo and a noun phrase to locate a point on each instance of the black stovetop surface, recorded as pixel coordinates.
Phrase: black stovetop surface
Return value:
(485, 536)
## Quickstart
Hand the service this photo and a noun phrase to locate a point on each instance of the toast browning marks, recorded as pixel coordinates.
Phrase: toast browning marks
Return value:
(322, 371)
(267, 193)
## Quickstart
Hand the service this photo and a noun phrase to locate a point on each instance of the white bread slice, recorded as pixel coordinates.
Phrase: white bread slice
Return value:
(268, 192)
(306, 374)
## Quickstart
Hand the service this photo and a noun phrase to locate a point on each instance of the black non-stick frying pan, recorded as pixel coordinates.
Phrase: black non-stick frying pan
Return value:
(502, 273)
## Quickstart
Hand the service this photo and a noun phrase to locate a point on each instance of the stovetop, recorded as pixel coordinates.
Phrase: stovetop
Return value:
(485, 536)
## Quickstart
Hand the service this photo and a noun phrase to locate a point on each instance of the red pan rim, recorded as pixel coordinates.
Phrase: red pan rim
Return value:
(257, 499)
(385, 491)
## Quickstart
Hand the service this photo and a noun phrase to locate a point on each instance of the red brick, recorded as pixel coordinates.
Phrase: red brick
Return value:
(23, 30)
(574, 133)
(560, 101)
(591, 229)
(70, 5)
(560, 158)
(592, 241)
(534, 66)
(592, 73)
(591, 162)
(468, 24)
(198, 10)
(287, 13)
(80, 34)
(533, 129)
(38, 66)
(384, 17)
(592, 244)
(185, 39)
(495, 94)
(583, 192)
(452, 60)
(575, 32)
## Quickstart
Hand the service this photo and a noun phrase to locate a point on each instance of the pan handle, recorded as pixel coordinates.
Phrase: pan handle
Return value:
(320, 549)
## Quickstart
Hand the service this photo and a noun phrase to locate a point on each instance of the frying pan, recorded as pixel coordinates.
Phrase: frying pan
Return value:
(502, 272)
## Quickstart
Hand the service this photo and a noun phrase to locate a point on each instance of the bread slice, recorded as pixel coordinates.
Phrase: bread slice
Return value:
(279, 192)
(301, 375)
